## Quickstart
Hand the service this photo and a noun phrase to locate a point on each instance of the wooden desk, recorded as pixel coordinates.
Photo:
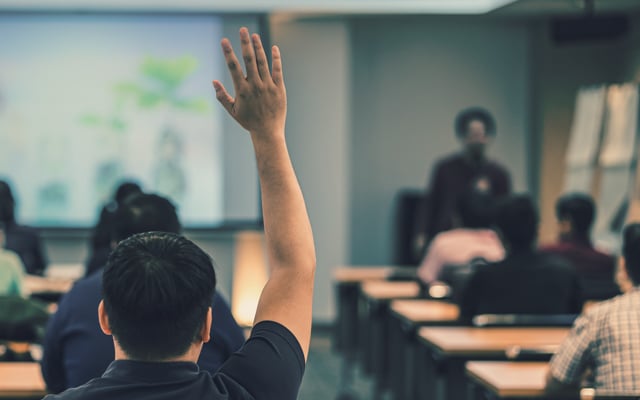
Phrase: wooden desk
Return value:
(384, 291)
(347, 282)
(375, 299)
(406, 317)
(472, 342)
(21, 381)
(47, 288)
(424, 311)
(447, 349)
(347, 285)
(361, 274)
(509, 380)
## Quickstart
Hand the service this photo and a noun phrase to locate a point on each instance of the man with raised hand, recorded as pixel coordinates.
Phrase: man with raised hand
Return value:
(161, 317)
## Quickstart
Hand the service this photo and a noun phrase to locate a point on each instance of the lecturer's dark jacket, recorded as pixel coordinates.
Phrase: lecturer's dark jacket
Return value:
(452, 177)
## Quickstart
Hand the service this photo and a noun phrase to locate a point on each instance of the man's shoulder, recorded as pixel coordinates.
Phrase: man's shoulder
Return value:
(627, 302)
(448, 160)
(9, 257)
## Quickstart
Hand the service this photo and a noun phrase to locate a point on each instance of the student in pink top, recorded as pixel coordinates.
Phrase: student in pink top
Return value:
(458, 247)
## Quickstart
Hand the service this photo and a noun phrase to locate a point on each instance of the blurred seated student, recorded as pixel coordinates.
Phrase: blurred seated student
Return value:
(11, 270)
(605, 340)
(22, 240)
(474, 240)
(102, 235)
(76, 350)
(575, 213)
(526, 281)
(158, 286)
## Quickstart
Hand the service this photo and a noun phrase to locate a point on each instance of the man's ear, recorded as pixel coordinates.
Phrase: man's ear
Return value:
(103, 319)
(205, 333)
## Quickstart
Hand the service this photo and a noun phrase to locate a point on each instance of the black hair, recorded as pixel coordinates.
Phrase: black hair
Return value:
(631, 251)
(464, 118)
(517, 220)
(157, 289)
(476, 210)
(7, 203)
(143, 213)
(125, 190)
(579, 209)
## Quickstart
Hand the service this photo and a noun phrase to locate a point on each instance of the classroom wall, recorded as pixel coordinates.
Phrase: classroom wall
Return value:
(560, 70)
(410, 77)
(317, 62)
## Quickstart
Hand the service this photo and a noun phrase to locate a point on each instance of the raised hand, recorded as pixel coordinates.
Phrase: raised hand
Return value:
(260, 105)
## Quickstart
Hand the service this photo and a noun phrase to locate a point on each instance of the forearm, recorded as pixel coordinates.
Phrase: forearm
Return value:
(286, 223)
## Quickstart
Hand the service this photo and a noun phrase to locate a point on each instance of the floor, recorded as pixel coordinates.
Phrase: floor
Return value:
(322, 376)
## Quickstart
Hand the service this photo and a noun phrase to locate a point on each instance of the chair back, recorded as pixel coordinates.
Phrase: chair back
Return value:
(523, 320)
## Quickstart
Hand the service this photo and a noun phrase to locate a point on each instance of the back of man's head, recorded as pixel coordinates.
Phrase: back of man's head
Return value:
(476, 210)
(517, 220)
(157, 290)
(631, 251)
(579, 210)
(144, 213)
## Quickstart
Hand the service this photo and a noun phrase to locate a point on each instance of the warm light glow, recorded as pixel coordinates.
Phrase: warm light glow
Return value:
(249, 276)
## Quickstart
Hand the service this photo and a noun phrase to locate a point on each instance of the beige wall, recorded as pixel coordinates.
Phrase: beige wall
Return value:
(559, 71)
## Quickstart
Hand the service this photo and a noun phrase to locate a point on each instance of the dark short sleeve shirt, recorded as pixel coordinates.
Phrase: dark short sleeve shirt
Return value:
(269, 366)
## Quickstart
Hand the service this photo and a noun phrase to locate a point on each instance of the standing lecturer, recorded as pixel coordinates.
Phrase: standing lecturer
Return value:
(463, 172)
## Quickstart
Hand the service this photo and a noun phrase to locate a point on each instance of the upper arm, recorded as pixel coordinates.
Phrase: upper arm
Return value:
(269, 366)
(287, 299)
(431, 266)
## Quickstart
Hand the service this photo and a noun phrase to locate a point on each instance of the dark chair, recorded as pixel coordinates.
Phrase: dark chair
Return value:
(408, 223)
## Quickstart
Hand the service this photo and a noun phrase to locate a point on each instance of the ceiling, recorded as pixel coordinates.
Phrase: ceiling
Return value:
(497, 7)
(534, 8)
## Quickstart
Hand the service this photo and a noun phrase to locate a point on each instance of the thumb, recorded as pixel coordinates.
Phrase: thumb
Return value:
(224, 97)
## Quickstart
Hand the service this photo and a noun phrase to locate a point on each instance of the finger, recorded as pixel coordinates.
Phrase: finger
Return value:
(276, 67)
(232, 63)
(248, 54)
(261, 58)
(223, 96)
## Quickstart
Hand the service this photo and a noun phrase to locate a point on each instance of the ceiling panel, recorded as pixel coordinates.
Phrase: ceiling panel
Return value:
(565, 7)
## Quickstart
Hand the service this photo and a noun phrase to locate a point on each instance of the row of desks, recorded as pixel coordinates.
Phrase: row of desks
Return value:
(416, 348)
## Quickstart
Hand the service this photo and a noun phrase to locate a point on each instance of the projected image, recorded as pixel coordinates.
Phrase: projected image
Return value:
(87, 102)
